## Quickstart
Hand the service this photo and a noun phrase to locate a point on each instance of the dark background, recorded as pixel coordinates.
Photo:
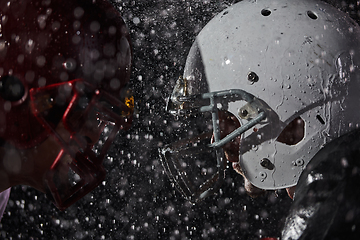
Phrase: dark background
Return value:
(136, 201)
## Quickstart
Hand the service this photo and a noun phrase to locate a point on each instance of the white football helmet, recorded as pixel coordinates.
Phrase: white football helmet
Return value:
(287, 69)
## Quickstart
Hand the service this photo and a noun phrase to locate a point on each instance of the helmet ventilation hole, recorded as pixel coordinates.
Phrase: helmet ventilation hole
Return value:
(252, 77)
(265, 12)
(11, 88)
(312, 15)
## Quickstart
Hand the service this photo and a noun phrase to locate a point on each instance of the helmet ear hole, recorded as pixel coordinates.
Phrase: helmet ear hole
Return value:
(293, 133)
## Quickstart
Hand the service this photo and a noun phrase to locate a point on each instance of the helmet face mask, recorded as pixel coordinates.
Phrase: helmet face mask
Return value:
(67, 78)
(301, 72)
(189, 162)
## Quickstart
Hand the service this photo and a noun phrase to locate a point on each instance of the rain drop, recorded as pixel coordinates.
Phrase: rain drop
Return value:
(136, 20)
(95, 26)
(78, 12)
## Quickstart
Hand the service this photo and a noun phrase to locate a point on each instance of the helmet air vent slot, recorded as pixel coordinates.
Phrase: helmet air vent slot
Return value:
(320, 119)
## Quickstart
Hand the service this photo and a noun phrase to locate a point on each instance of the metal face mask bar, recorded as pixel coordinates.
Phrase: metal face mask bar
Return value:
(90, 120)
(186, 161)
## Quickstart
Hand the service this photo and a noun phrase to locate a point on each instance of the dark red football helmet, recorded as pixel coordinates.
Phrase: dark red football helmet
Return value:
(65, 63)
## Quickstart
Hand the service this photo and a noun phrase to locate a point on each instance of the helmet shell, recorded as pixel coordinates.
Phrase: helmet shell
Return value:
(43, 43)
(305, 56)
